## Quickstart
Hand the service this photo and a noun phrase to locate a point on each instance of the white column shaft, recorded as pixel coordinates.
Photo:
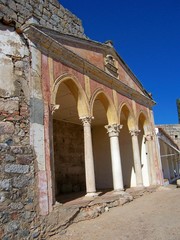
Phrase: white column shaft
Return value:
(116, 164)
(137, 161)
(89, 161)
(113, 131)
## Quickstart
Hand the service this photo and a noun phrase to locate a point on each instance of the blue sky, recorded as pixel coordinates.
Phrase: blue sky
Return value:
(146, 34)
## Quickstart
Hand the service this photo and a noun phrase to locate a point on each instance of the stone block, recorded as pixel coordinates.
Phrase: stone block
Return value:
(2, 197)
(15, 168)
(5, 184)
(12, 5)
(6, 128)
(21, 181)
(8, 11)
(16, 206)
(9, 158)
(9, 105)
(24, 159)
(16, 150)
(24, 234)
(12, 226)
(4, 217)
(3, 147)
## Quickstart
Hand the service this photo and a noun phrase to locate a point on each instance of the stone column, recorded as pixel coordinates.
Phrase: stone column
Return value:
(113, 131)
(137, 159)
(89, 161)
(149, 139)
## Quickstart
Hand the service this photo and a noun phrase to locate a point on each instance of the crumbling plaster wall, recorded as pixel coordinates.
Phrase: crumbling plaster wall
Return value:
(48, 13)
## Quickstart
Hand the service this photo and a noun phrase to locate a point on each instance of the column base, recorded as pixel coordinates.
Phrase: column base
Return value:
(119, 191)
(93, 194)
(139, 187)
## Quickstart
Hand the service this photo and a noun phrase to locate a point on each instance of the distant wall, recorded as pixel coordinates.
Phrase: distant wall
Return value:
(173, 130)
(48, 13)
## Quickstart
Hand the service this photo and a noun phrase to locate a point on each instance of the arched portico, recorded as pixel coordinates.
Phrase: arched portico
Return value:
(144, 148)
(105, 115)
(74, 167)
(128, 122)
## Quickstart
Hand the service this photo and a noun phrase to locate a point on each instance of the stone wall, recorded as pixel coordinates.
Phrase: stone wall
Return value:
(48, 13)
(17, 170)
(173, 130)
(19, 213)
(69, 157)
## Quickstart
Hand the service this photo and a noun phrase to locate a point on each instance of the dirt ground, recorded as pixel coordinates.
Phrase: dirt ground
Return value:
(152, 217)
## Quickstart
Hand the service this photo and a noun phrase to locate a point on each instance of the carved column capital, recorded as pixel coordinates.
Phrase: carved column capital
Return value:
(134, 132)
(148, 136)
(113, 130)
(86, 120)
(54, 107)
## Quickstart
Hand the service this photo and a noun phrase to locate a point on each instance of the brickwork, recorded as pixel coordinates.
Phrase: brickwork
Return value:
(48, 13)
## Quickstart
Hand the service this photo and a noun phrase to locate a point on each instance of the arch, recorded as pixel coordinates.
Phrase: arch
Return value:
(77, 91)
(143, 119)
(107, 103)
(127, 119)
(126, 109)
(144, 147)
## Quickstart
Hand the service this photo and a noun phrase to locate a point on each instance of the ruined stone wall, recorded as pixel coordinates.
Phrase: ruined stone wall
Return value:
(19, 206)
(48, 13)
(69, 157)
(17, 170)
(173, 130)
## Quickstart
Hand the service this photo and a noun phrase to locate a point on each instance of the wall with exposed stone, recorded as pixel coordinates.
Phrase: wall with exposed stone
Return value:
(173, 130)
(17, 170)
(19, 212)
(47, 13)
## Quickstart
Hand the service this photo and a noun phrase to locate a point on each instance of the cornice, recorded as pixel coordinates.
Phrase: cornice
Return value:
(93, 44)
(53, 48)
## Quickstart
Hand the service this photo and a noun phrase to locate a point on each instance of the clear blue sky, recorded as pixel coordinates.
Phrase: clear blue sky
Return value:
(146, 34)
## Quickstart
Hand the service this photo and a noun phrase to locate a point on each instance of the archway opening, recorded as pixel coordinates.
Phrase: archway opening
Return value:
(125, 141)
(68, 143)
(144, 150)
(101, 144)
